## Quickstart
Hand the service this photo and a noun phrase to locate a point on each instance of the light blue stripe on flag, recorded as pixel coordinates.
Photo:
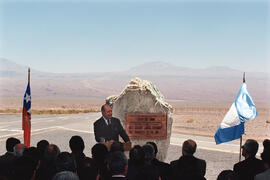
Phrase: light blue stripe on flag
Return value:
(244, 105)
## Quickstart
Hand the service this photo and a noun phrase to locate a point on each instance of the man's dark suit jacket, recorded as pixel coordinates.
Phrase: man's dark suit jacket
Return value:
(109, 132)
(164, 169)
(6, 163)
(188, 167)
(248, 168)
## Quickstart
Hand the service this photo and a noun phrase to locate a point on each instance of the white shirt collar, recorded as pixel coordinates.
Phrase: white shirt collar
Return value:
(106, 120)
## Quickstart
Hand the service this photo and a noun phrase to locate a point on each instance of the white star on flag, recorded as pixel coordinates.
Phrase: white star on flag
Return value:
(27, 98)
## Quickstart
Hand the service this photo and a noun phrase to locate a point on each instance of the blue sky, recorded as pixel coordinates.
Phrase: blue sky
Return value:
(96, 36)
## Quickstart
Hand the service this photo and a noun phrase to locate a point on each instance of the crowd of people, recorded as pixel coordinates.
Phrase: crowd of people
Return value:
(47, 162)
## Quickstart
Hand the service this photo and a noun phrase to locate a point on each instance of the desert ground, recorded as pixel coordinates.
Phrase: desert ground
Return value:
(194, 118)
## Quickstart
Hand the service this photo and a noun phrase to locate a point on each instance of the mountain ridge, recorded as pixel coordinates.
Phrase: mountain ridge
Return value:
(208, 84)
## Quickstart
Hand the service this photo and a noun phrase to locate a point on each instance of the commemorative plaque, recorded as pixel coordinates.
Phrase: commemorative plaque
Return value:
(146, 125)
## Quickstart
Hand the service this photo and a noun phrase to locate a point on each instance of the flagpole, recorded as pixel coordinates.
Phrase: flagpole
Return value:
(240, 151)
(29, 85)
(29, 75)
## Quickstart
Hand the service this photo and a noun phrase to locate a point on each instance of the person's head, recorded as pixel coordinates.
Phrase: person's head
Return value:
(76, 144)
(265, 155)
(106, 111)
(99, 152)
(51, 152)
(226, 175)
(18, 149)
(42, 145)
(189, 147)
(116, 146)
(32, 152)
(154, 146)
(11, 142)
(117, 163)
(250, 148)
(137, 155)
(149, 152)
(65, 175)
(266, 143)
(65, 162)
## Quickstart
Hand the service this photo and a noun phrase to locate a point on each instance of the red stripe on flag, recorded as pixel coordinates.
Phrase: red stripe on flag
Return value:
(26, 126)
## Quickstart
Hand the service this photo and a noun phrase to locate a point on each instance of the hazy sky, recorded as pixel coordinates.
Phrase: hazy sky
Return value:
(87, 36)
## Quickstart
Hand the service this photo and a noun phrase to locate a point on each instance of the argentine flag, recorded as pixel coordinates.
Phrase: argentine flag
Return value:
(242, 110)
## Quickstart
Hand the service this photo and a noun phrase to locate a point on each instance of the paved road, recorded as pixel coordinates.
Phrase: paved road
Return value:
(58, 129)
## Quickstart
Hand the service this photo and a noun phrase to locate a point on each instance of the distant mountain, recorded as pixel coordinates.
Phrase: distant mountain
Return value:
(161, 68)
(157, 68)
(11, 69)
(179, 83)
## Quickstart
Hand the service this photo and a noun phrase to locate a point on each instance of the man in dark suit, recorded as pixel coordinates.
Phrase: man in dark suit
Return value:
(187, 166)
(251, 166)
(265, 155)
(7, 160)
(164, 169)
(108, 128)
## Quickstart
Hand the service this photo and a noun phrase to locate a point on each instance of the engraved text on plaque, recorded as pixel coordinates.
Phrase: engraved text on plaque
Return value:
(146, 126)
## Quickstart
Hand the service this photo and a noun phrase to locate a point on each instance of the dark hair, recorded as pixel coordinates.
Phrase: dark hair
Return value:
(154, 146)
(188, 148)
(265, 155)
(32, 152)
(99, 152)
(137, 155)
(117, 162)
(149, 152)
(266, 143)
(65, 162)
(117, 146)
(65, 175)
(11, 142)
(51, 153)
(41, 146)
(251, 146)
(225, 175)
(76, 144)
(103, 107)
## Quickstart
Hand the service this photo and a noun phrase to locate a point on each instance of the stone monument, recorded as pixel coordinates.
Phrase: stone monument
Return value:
(144, 114)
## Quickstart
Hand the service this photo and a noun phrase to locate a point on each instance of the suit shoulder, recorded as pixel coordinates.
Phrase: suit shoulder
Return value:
(115, 119)
(237, 165)
(97, 121)
(202, 160)
(258, 160)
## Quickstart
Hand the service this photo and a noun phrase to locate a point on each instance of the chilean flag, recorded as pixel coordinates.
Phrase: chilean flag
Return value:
(26, 116)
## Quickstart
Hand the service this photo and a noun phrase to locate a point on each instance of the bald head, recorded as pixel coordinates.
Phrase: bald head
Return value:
(189, 147)
(18, 149)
